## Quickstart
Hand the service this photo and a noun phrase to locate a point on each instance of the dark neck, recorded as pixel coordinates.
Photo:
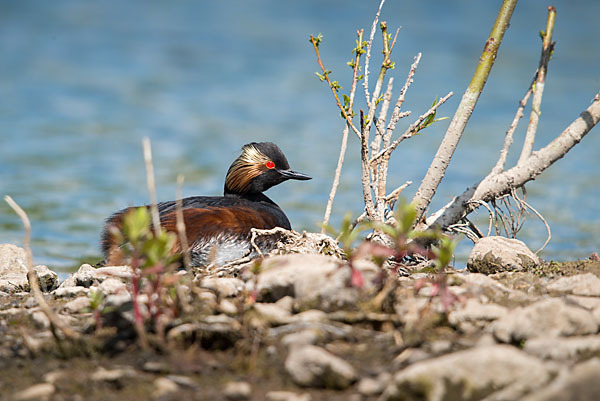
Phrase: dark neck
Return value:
(254, 197)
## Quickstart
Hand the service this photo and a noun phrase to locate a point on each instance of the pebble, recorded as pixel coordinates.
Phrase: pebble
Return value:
(287, 396)
(37, 392)
(312, 366)
(163, 387)
(113, 375)
(77, 305)
(237, 391)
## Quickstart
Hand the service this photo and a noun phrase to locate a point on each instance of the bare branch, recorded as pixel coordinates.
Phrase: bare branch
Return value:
(496, 185)
(538, 90)
(396, 115)
(338, 169)
(410, 131)
(368, 55)
(333, 87)
(508, 138)
(440, 162)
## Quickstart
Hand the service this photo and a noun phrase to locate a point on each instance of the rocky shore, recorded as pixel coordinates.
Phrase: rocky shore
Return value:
(295, 328)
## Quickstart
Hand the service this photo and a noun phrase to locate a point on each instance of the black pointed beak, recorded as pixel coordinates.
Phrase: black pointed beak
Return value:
(293, 175)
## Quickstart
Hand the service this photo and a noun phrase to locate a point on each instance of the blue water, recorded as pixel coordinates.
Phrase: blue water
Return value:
(83, 82)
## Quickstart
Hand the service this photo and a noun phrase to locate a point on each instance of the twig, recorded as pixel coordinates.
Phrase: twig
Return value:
(368, 55)
(31, 275)
(508, 138)
(333, 88)
(151, 184)
(396, 115)
(410, 131)
(344, 145)
(395, 194)
(538, 90)
(539, 215)
(445, 151)
(187, 261)
(490, 211)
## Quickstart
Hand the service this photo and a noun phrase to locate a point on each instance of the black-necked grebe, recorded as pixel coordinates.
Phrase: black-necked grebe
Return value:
(218, 227)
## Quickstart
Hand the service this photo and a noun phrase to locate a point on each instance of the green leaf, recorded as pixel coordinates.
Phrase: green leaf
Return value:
(136, 225)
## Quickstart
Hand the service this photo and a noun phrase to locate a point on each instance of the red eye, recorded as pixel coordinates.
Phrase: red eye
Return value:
(270, 164)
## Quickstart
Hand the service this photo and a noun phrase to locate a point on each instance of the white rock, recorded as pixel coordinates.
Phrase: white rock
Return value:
(312, 366)
(311, 315)
(306, 336)
(563, 349)
(498, 372)
(287, 396)
(237, 391)
(587, 284)
(311, 280)
(70, 292)
(47, 279)
(112, 375)
(550, 317)
(77, 305)
(88, 275)
(228, 307)
(13, 268)
(112, 285)
(272, 313)
(371, 386)
(41, 391)
(163, 387)
(475, 315)
(578, 383)
(40, 319)
(223, 286)
(495, 254)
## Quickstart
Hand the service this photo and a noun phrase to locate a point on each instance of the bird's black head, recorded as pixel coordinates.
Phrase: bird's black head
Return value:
(260, 166)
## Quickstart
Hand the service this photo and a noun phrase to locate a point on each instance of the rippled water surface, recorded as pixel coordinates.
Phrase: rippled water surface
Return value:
(82, 82)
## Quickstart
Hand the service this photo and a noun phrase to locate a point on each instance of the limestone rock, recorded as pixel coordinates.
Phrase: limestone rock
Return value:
(163, 387)
(587, 284)
(475, 315)
(287, 396)
(312, 366)
(311, 279)
(578, 383)
(77, 305)
(37, 392)
(88, 275)
(563, 349)
(223, 286)
(237, 391)
(47, 279)
(13, 268)
(498, 372)
(550, 317)
(370, 386)
(272, 313)
(497, 254)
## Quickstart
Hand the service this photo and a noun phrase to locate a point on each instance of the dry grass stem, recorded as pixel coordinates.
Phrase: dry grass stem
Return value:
(151, 184)
(31, 275)
(185, 249)
(344, 145)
